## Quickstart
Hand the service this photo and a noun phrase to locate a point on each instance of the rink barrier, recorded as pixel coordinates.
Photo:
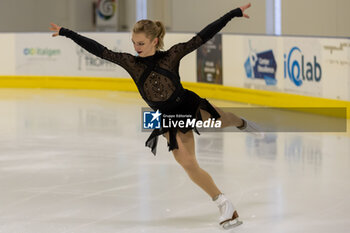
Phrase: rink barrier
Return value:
(51, 82)
(214, 91)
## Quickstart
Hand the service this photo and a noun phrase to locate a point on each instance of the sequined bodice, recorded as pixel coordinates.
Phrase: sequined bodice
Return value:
(158, 87)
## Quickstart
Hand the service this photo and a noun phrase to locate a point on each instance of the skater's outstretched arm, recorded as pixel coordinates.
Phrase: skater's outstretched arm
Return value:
(92, 46)
(208, 32)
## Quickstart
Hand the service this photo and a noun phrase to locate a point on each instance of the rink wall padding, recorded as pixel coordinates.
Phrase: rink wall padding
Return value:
(51, 82)
(263, 70)
(211, 91)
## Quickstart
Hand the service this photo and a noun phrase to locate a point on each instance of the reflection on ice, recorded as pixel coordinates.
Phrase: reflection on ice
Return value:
(75, 161)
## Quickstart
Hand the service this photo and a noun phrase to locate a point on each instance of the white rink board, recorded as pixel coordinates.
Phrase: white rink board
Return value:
(71, 60)
(305, 66)
(308, 66)
(7, 55)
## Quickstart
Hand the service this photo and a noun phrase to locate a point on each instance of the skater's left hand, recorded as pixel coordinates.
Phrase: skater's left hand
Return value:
(55, 28)
(243, 8)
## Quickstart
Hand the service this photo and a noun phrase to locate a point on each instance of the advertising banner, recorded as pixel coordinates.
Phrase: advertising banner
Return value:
(336, 59)
(209, 61)
(260, 64)
(303, 68)
(40, 54)
(318, 67)
(106, 15)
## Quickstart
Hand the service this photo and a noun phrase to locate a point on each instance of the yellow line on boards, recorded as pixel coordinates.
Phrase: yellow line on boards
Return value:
(256, 97)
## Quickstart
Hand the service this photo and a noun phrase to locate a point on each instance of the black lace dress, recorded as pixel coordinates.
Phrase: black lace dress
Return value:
(157, 77)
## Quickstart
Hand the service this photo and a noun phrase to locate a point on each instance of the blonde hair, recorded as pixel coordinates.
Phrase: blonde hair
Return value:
(152, 29)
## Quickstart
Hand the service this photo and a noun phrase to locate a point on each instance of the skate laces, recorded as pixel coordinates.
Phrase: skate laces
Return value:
(224, 204)
(220, 200)
(224, 207)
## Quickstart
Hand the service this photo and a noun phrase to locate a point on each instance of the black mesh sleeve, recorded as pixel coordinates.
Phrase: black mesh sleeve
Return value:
(178, 51)
(88, 44)
(209, 31)
(125, 60)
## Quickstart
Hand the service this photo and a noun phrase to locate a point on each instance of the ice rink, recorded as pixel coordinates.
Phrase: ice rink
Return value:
(74, 161)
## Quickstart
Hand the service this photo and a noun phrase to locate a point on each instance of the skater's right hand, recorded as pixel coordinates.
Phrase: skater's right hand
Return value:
(55, 28)
(245, 7)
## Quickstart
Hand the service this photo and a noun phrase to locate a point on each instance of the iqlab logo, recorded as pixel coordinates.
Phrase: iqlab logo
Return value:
(43, 52)
(299, 72)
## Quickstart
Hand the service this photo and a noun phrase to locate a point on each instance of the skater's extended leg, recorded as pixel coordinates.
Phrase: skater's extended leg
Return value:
(227, 118)
(230, 119)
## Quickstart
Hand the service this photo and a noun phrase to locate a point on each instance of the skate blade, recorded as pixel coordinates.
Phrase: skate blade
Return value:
(231, 224)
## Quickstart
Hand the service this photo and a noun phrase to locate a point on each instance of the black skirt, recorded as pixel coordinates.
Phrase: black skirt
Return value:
(190, 105)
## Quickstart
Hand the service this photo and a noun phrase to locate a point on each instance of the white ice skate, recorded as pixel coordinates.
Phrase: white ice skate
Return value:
(251, 127)
(229, 217)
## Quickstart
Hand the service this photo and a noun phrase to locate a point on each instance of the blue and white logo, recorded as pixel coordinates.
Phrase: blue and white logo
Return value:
(296, 69)
(261, 66)
(151, 120)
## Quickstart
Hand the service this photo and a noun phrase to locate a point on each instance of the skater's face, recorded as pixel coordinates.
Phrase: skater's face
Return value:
(144, 46)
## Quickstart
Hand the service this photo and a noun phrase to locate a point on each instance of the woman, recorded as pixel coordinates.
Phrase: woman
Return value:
(156, 74)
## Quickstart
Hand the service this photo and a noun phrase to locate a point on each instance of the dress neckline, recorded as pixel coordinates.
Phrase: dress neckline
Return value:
(150, 58)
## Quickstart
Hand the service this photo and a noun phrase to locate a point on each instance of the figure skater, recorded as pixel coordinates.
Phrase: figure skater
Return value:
(156, 75)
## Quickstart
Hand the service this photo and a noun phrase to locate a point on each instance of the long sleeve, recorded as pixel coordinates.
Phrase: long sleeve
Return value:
(209, 31)
(88, 44)
(180, 50)
(125, 60)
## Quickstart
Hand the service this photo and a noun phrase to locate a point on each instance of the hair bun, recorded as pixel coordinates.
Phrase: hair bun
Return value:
(161, 27)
